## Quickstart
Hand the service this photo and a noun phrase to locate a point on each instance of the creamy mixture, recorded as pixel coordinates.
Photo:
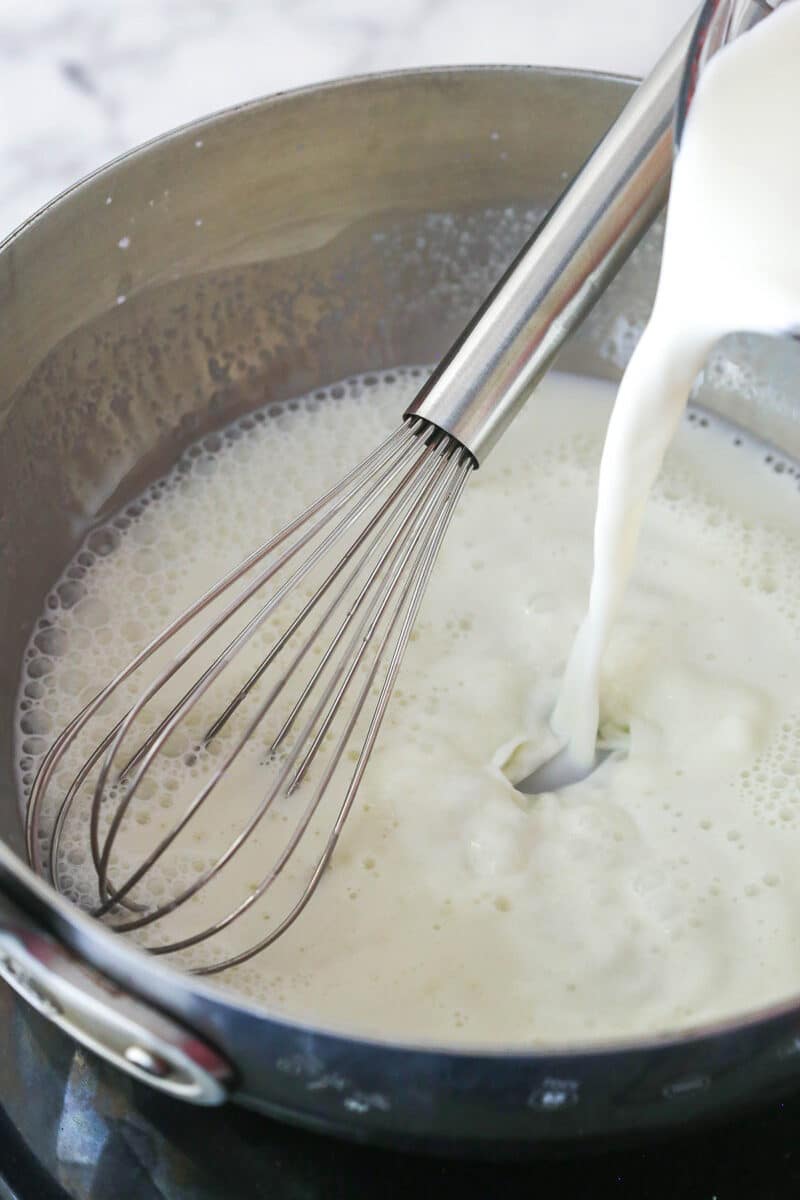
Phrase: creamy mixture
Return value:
(731, 263)
(660, 892)
(663, 890)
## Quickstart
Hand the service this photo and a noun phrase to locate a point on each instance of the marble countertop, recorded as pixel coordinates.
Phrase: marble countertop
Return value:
(83, 80)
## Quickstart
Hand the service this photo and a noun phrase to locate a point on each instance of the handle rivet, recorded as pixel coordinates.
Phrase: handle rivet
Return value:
(145, 1060)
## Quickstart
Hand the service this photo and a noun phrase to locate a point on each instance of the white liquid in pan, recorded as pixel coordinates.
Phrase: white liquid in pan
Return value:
(661, 892)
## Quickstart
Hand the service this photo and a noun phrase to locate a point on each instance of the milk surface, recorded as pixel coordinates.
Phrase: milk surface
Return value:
(659, 893)
(731, 263)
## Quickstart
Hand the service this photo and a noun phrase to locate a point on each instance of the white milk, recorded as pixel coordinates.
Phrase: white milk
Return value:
(731, 263)
(662, 892)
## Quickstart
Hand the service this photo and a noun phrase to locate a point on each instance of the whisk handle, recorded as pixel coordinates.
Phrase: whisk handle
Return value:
(487, 376)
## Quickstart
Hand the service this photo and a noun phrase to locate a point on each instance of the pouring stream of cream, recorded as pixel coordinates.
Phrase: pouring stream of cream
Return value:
(731, 263)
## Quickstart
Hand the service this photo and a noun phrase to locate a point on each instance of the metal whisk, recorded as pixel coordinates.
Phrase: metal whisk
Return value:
(370, 546)
(380, 530)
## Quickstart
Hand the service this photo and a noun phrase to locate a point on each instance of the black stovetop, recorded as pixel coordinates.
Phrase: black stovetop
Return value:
(72, 1127)
(755, 1159)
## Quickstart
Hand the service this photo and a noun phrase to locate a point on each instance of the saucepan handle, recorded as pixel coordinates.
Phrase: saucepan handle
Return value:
(123, 1029)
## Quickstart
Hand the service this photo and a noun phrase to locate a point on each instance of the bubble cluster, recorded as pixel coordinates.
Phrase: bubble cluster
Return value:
(772, 781)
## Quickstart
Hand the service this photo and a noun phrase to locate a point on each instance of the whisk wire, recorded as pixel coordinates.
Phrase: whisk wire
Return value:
(385, 511)
(117, 733)
(121, 891)
(236, 844)
(391, 513)
(144, 756)
(155, 742)
(34, 828)
(415, 588)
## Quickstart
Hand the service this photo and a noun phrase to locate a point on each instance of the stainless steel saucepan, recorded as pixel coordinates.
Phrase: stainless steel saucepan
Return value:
(274, 247)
